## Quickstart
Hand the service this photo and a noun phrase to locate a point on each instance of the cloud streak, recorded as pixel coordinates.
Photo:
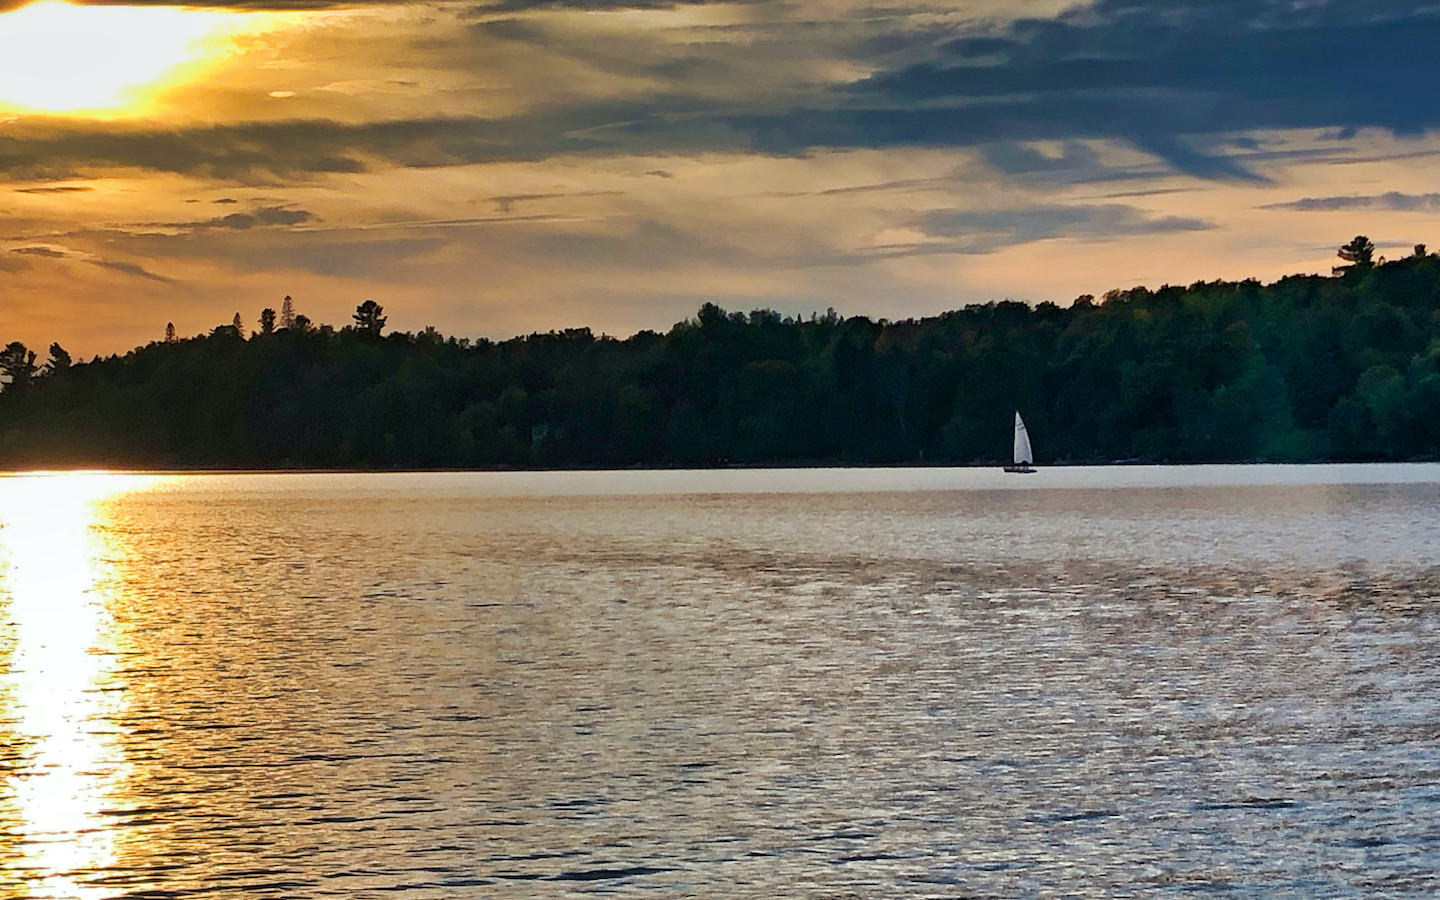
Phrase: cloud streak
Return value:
(51, 252)
(1390, 200)
(991, 230)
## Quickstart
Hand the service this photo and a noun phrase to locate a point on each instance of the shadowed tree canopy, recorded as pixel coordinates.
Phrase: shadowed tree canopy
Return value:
(1306, 368)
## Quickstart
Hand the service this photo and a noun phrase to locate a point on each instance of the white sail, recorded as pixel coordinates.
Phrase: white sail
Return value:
(1023, 454)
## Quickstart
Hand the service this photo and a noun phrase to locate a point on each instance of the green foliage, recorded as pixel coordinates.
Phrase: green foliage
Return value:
(1306, 368)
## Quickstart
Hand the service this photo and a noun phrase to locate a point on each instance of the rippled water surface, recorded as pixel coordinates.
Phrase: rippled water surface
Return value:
(821, 683)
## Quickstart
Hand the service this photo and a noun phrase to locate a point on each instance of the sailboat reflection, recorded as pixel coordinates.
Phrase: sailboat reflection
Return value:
(59, 757)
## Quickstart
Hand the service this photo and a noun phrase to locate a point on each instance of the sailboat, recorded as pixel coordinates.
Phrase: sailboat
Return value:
(1024, 456)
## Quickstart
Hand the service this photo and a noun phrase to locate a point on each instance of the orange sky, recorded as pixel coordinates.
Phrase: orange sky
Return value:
(498, 167)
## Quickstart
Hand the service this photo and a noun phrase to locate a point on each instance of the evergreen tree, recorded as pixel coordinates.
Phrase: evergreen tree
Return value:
(368, 318)
(267, 321)
(287, 312)
(59, 360)
(17, 362)
(1359, 253)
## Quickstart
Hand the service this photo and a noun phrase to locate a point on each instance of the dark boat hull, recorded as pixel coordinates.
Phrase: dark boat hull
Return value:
(1020, 470)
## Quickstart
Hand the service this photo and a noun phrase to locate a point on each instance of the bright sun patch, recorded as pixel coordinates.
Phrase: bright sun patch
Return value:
(59, 58)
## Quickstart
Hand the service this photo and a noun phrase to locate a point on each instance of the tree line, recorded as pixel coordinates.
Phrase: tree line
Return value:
(1339, 367)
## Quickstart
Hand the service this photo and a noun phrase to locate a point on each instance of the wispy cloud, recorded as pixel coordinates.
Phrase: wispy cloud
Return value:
(52, 252)
(1390, 200)
(988, 230)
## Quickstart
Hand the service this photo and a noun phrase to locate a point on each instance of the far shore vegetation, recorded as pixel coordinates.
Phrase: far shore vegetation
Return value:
(1310, 368)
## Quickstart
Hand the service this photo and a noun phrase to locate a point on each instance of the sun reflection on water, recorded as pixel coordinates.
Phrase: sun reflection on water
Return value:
(59, 704)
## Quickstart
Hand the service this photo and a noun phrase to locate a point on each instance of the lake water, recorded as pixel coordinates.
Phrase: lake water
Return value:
(1100, 682)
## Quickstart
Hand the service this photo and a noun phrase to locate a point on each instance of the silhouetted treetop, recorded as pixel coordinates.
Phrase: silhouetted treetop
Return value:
(59, 360)
(368, 318)
(1359, 252)
(17, 364)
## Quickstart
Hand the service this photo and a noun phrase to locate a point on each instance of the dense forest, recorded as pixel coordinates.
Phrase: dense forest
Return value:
(1343, 367)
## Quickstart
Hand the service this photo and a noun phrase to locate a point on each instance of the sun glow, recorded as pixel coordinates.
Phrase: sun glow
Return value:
(59, 58)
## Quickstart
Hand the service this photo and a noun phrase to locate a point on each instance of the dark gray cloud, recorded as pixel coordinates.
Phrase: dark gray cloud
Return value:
(342, 258)
(986, 230)
(269, 215)
(506, 202)
(1391, 200)
(278, 152)
(261, 152)
(940, 183)
(261, 217)
(981, 231)
(285, 151)
(1018, 159)
(326, 253)
(59, 189)
(642, 244)
(1182, 80)
(130, 268)
(514, 6)
(1154, 73)
(41, 251)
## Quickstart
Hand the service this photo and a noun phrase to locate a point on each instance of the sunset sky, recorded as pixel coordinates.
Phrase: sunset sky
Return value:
(493, 168)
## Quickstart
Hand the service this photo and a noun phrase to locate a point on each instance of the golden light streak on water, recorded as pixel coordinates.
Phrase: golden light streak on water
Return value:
(58, 705)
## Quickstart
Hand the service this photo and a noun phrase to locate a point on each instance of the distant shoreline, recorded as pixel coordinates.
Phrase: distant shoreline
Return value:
(1307, 369)
(1117, 464)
